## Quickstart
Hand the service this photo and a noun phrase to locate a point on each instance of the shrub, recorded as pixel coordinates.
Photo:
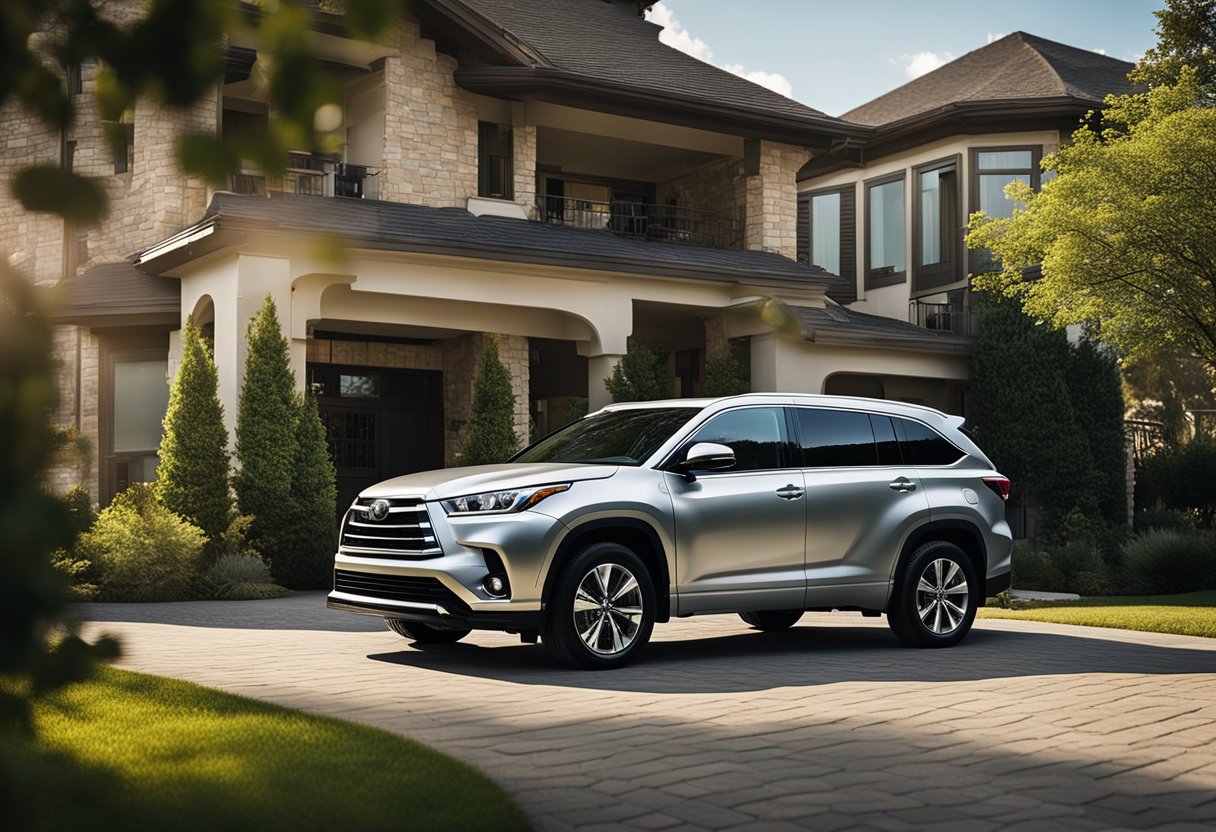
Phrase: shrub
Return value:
(78, 573)
(1181, 478)
(80, 511)
(1063, 567)
(491, 436)
(143, 551)
(1163, 562)
(1164, 518)
(242, 577)
(641, 375)
(192, 477)
(724, 376)
(576, 408)
(305, 550)
(1033, 569)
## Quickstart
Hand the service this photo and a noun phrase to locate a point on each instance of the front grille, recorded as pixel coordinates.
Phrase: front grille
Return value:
(398, 588)
(405, 534)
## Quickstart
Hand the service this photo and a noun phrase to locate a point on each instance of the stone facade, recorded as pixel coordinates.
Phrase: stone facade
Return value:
(718, 187)
(772, 200)
(524, 163)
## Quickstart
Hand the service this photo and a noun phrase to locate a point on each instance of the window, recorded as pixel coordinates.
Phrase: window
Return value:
(495, 149)
(991, 170)
(134, 408)
(937, 219)
(884, 438)
(885, 236)
(122, 139)
(358, 386)
(826, 237)
(757, 435)
(925, 446)
(836, 438)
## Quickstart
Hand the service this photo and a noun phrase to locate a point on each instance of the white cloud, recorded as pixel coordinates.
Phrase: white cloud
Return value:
(676, 36)
(995, 36)
(920, 63)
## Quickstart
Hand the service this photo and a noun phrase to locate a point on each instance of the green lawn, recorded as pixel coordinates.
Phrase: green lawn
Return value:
(1192, 614)
(127, 751)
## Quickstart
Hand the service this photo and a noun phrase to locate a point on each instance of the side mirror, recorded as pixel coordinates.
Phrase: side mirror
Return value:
(706, 456)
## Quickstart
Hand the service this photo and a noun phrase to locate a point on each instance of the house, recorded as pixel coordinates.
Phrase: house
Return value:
(548, 172)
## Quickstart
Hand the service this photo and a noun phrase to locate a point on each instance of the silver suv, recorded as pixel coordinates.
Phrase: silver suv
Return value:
(766, 505)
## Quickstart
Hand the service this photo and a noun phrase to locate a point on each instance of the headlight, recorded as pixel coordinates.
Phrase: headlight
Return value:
(502, 502)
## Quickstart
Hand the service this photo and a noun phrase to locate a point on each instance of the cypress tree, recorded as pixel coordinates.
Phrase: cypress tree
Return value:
(192, 477)
(310, 538)
(491, 435)
(641, 375)
(266, 433)
(1095, 385)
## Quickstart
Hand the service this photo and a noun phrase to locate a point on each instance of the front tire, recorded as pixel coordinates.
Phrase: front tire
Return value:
(424, 633)
(602, 609)
(935, 598)
(772, 620)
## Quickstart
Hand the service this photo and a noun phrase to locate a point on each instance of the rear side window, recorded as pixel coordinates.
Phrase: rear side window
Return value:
(884, 438)
(924, 446)
(836, 438)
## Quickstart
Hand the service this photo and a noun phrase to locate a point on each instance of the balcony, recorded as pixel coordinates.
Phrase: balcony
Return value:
(312, 176)
(954, 315)
(639, 220)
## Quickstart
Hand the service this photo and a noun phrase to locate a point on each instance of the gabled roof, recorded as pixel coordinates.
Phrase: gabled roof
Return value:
(1018, 67)
(395, 226)
(600, 55)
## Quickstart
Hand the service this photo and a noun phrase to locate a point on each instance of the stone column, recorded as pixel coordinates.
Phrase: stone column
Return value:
(771, 221)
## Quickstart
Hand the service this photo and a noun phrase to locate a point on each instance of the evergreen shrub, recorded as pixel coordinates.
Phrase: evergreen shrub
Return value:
(1163, 562)
(641, 375)
(304, 552)
(491, 437)
(724, 376)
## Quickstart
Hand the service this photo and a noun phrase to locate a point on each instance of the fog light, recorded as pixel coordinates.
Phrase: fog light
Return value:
(495, 585)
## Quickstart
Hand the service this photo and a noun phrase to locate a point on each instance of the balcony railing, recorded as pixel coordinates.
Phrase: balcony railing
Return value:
(313, 176)
(669, 223)
(955, 318)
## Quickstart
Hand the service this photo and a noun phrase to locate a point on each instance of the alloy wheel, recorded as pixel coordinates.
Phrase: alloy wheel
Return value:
(942, 596)
(608, 609)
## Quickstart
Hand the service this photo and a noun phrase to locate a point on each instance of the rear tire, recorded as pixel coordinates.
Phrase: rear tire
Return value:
(772, 620)
(935, 597)
(424, 633)
(602, 608)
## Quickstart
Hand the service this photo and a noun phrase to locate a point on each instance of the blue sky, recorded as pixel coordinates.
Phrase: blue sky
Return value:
(834, 54)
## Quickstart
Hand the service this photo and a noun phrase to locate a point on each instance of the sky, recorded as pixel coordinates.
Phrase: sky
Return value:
(836, 54)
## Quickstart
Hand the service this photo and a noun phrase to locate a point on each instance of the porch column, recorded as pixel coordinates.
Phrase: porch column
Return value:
(599, 367)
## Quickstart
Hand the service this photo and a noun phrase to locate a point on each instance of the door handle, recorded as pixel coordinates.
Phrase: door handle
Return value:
(790, 492)
(903, 485)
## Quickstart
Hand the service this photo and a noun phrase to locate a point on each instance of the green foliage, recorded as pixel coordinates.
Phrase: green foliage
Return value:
(38, 644)
(78, 573)
(491, 436)
(1065, 567)
(1163, 518)
(1164, 385)
(1192, 614)
(1181, 478)
(641, 375)
(192, 477)
(80, 511)
(242, 577)
(266, 434)
(576, 408)
(1161, 561)
(143, 551)
(724, 376)
(1186, 30)
(1095, 388)
(304, 551)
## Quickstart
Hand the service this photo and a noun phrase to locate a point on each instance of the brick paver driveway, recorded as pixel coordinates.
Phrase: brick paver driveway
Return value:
(831, 725)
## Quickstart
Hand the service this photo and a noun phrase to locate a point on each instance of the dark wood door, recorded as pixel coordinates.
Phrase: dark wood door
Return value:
(380, 423)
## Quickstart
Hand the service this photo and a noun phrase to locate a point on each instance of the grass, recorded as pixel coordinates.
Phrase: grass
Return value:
(1192, 614)
(130, 751)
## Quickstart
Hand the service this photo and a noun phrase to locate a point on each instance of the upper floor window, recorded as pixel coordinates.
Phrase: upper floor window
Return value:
(991, 170)
(826, 237)
(495, 150)
(885, 231)
(938, 222)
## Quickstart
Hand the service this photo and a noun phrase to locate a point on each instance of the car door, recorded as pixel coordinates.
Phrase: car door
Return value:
(740, 533)
(862, 497)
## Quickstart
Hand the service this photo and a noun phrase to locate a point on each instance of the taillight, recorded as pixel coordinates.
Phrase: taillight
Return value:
(1000, 485)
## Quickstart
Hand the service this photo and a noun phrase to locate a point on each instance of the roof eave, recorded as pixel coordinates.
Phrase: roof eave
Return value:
(959, 345)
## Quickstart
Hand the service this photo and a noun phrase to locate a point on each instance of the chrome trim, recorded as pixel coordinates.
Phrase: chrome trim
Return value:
(408, 605)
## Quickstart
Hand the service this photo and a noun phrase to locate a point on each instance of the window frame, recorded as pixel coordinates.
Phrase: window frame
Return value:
(485, 157)
(955, 269)
(790, 452)
(974, 173)
(799, 440)
(847, 242)
(113, 352)
(873, 281)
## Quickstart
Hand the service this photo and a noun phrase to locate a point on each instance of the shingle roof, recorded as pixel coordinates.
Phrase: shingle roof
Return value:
(1016, 67)
(116, 290)
(837, 323)
(603, 41)
(456, 232)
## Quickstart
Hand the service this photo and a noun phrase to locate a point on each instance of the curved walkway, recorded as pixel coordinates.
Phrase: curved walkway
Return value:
(831, 725)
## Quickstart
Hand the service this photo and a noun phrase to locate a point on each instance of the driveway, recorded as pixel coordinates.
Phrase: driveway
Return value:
(831, 725)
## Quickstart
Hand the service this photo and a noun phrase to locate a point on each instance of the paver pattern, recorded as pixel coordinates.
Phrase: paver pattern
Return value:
(831, 725)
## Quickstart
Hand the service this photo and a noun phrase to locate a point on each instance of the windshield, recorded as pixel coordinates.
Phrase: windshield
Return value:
(616, 437)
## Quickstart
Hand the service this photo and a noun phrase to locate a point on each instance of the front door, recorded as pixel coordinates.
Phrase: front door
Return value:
(740, 534)
(380, 423)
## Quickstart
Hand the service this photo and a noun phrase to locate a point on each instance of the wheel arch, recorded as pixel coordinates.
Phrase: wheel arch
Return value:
(961, 533)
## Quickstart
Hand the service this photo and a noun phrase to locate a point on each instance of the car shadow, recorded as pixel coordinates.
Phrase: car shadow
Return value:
(297, 611)
(809, 656)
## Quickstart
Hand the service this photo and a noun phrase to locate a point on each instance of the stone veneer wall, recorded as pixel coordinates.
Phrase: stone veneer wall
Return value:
(524, 163)
(430, 127)
(718, 187)
(456, 358)
(772, 200)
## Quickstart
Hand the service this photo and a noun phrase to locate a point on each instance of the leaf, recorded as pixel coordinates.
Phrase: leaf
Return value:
(202, 154)
(53, 190)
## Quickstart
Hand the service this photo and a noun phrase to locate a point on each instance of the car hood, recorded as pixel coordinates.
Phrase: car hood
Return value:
(454, 482)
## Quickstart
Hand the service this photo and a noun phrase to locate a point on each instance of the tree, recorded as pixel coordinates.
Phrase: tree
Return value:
(724, 376)
(1095, 387)
(641, 375)
(310, 536)
(192, 477)
(1186, 32)
(491, 436)
(266, 433)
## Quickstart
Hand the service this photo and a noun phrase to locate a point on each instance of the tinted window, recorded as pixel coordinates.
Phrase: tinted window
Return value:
(835, 438)
(756, 435)
(618, 437)
(884, 438)
(926, 446)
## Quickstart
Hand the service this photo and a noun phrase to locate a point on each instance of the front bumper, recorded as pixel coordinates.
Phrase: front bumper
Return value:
(435, 615)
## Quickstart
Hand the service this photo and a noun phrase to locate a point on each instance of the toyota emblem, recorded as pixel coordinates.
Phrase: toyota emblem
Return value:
(378, 510)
